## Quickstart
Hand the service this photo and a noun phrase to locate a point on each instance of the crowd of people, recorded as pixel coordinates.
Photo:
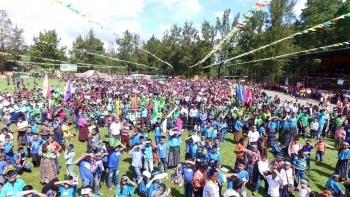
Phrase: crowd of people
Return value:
(150, 120)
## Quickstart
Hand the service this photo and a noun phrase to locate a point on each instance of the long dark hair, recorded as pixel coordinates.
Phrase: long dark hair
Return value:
(44, 147)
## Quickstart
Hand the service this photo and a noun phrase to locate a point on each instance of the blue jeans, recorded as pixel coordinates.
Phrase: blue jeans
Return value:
(87, 182)
(9, 127)
(163, 162)
(223, 134)
(308, 162)
(188, 189)
(320, 129)
(58, 138)
(257, 185)
(25, 167)
(76, 123)
(113, 174)
(137, 173)
(303, 131)
(298, 174)
(149, 164)
(158, 138)
(319, 156)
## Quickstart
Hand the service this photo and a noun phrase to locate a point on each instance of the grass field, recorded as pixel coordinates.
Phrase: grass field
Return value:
(317, 177)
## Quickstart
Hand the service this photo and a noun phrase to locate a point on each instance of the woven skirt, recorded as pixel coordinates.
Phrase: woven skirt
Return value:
(174, 156)
(238, 135)
(20, 137)
(48, 170)
(293, 132)
(342, 168)
(271, 139)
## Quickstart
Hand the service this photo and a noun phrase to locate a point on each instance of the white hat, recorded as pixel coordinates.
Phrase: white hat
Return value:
(146, 174)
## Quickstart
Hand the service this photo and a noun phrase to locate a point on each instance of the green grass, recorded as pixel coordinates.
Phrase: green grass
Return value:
(317, 177)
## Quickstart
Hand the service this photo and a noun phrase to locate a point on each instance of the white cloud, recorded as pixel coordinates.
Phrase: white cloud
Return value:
(298, 8)
(40, 15)
(221, 13)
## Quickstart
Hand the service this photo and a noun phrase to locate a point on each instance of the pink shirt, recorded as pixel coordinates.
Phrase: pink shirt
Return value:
(294, 148)
(340, 133)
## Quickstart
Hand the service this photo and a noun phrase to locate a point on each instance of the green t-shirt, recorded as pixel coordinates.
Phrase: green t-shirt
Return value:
(305, 120)
(338, 122)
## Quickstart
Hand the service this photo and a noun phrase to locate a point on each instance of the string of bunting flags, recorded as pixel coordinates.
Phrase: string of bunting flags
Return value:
(97, 65)
(307, 51)
(311, 29)
(34, 57)
(69, 6)
(257, 7)
(35, 63)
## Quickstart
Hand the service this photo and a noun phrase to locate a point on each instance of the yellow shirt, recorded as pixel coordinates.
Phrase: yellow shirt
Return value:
(66, 132)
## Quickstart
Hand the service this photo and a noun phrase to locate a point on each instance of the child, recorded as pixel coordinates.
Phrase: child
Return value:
(320, 149)
(189, 144)
(307, 150)
(163, 151)
(314, 128)
(333, 183)
(8, 148)
(340, 135)
(303, 188)
(35, 148)
(66, 187)
(276, 148)
(294, 148)
(136, 155)
(299, 167)
(69, 155)
(213, 154)
(142, 182)
(187, 174)
(177, 176)
(217, 166)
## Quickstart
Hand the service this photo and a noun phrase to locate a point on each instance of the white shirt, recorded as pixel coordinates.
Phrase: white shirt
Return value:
(274, 185)
(23, 125)
(302, 192)
(263, 166)
(115, 128)
(314, 125)
(231, 192)
(284, 175)
(2, 137)
(253, 136)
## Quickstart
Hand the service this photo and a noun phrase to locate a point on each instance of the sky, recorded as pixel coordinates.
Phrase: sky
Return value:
(145, 17)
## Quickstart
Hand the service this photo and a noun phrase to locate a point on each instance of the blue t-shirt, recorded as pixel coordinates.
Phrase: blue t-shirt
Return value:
(174, 140)
(136, 158)
(113, 158)
(8, 148)
(24, 156)
(293, 122)
(162, 149)
(215, 156)
(157, 131)
(188, 173)
(85, 169)
(34, 128)
(9, 190)
(334, 185)
(321, 119)
(307, 149)
(188, 146)
(3, 165)
(200, 158)
(261, 131)
(147, 152)
(244, 176)
(70, 192)
(299, 163)
(238, 125)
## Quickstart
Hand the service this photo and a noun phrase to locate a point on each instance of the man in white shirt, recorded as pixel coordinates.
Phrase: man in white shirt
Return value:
(314, 128)
(264, 168)
(237, 186)
(115, 128)
(274, 180)
(287, 178)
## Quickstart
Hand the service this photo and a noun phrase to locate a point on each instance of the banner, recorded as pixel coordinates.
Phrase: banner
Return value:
(68, 68)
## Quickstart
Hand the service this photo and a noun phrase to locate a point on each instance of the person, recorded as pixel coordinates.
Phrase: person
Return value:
(274, 181)
(8, 149)
(87, 192)
(314, 128)
(174, 142)
(115, 128)
(243, 176)
(340, 135)
(211, 188)
(69, 155)
(287, 180)
(113, 165)
(321, 147)
(332, 182)
(253, 137)
(188, 173)
(35, 144)
(238, 130)
(86, 168)
(161, 192)
(299, 164)
(48, 169)
(157, 128)
(13, 185)
(136, 162)
(237, 186)
(307, 148)
(142, 182)
(343, 164)
(20, 159)
(93, 141)
(57, 131)
(83, 128)
(264, 168)
(293, 148)
(66, 134)
(21, 128)
(32, 192)
(125, 188)
(240, 155)
(327, 192)
(163, 151)
(56, 151)
(66, 187)
(303, 188)
(199, 177)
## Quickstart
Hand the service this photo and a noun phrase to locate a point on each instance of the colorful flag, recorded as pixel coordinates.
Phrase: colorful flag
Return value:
(134, 102)
(239, 96)
(117, 108)
(244, 94)
(68, 94)
(155, 112)
(45, 85)
(249, 96)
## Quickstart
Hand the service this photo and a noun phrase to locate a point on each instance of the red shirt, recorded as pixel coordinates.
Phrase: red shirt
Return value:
(56, 146)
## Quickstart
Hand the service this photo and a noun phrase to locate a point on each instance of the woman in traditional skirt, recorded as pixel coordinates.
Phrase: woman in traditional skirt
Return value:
(44, 131)
(47, 163)
(21, 126)
(293, 125)
(83, 128)
(238, 130)
(253, 158)
(343, 165)
(340, 135)
(240, 156)
(174, 141)
(284, 134)
(271, 139)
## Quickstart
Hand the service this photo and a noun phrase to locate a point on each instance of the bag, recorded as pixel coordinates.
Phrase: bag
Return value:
(290, 186)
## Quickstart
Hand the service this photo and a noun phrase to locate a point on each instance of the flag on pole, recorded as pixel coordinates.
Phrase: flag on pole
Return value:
(68, 94)
(117, 108)
(244, 94)
(45, 86)
(134, 102)
(164, 123)
(249, 97)
(155, 112)
(238, 93)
